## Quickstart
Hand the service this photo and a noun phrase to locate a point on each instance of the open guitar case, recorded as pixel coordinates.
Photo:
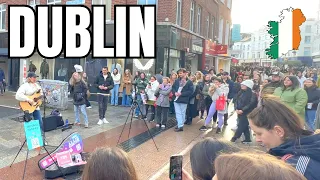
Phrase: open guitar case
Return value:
(72, 143)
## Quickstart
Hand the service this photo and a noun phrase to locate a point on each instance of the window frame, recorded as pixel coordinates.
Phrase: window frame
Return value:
(308, 29)
(227, 33)
(54, 2)
(3, 8)
(108, 14)
(304, 51)
(213, 20)
(179, 17)
(305, 40)
(199, 11)
(192, 17)
(229, 4)
(208, 26)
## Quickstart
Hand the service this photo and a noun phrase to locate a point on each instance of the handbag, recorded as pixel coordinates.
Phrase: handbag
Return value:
(221, 103)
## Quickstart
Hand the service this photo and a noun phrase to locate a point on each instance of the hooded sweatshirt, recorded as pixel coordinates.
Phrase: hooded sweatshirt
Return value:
(303, 154)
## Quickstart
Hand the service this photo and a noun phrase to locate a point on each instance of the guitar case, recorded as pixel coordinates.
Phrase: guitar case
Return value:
(74, 144)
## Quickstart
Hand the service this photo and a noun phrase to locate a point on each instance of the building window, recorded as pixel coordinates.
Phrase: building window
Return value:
(259, 38)
(222, 1)
(107, 3)
(247, 55)
(244, 47)
(213, 26)
(307, 51)
(307, 39)
(53, 2)
(226, 38)
(308, 28)
(34, 3)
(258, 55)
(192, 16)
(253, 55)
(248, 47)
(229, 4)
(208, 26)
(265, 44)
(220, 30)
(178, 20)
(143, 2)
(199, 20)
(258, 46)
(3, 8)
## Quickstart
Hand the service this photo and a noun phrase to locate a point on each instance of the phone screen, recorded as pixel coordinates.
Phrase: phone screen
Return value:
(175, 167)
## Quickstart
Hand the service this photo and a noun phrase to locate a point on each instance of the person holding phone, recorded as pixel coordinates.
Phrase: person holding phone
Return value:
(141, 83)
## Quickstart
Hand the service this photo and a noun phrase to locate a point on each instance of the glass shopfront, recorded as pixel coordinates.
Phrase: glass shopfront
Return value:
(174, 62)
(63, 68)
(37, 60)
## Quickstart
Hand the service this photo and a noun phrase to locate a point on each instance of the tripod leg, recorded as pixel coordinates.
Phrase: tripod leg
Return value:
(149, 131)
(18, 152)
(25, 165)
(131, 109)
(54, 161)
(130, 124)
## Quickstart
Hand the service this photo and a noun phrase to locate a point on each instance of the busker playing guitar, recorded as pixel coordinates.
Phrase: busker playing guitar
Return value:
(28, 94)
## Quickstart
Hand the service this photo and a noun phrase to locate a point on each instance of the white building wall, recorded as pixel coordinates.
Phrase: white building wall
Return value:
(307, 34)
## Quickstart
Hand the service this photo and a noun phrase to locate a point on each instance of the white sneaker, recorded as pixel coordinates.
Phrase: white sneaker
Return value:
(100, 122)
(163, 126)
(105, 121)
(89, 107)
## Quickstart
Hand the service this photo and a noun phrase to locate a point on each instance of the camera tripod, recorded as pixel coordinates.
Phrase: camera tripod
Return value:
(132, 109)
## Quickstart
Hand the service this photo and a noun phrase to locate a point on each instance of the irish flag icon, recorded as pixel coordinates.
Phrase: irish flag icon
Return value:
(285, 33)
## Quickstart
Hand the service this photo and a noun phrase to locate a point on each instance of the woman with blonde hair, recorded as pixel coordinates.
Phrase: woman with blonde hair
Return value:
(251, 166)
(173, 78)
(125, 88)
(79, 93)
(109, 164)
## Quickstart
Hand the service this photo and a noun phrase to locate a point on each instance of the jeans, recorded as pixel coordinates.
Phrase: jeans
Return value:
(115, 94)
(103, 102)
(162, 115)
(1, 87)
(37, 116)
(243, 127)
(142, 107)
(310, 119)
(126, 99)
(180, 113)
(82, 108)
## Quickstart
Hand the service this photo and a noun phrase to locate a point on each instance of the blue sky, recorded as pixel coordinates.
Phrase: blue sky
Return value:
(253, 14)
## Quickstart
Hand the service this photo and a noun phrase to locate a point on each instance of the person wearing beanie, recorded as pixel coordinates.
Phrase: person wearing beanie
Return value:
(245, 102)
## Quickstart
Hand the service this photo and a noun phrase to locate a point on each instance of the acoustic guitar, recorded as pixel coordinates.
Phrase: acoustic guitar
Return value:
(30, 108)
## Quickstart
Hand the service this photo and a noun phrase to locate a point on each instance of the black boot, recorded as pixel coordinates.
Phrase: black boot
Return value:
(226, 119)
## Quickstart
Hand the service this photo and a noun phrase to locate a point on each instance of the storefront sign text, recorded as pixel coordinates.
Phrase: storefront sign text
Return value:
(215, 49)
(196, 48)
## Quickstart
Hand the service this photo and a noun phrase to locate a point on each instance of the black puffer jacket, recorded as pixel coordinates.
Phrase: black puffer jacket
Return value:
(108, 82)
(79, 93)
(313, 96)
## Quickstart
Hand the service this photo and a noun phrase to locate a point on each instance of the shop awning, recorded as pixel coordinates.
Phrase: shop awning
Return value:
(3, 51)
(234, 60)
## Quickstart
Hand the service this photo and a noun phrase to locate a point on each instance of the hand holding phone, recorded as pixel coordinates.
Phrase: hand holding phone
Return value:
(175, 170)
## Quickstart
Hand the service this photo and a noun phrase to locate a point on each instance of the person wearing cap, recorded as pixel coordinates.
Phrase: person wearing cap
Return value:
(276, 82)
(28, 89)
(245, 102)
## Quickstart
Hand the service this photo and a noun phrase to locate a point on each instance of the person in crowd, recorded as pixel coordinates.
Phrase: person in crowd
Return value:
(2, 82)
(227, 80)
(281, 131)
(104, 84)
(109, 163)
(192, 106)
(292, 95)
(159, 76)
(152, 87)
(173, 78)
(212, 72)
(245, 102)
(116, 76)
(163, 103)
(233, 75)
(205, 71)
(205, 92)
(137, 76)
(140, 85)
(85, 79)
(301, 78)
(201, 105)
(313, 100)
(125, 88)
(216, 91)
(203, 155)
(79, 91)
(182, 89)
(221, 71)
(276, 82)
(28, 89)
(253, 166)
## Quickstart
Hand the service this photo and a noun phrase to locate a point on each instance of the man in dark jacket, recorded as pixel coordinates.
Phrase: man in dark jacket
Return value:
(182, 90)
(246, 102)
(275, 82)
(2, 81)
(104, 84)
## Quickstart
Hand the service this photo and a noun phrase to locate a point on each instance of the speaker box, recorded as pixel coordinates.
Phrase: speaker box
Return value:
(52, 122)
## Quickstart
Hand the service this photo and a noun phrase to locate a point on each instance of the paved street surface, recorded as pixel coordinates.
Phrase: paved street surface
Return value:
(149, 163)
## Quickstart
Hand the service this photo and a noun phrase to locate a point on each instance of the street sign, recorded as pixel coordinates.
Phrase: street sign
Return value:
(75, 2)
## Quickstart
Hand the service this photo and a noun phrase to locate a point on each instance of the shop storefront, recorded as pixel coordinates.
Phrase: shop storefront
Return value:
(216, 56)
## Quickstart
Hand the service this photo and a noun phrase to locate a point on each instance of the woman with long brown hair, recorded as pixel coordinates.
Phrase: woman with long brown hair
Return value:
(173, 78)
(125, 88)
(109, 164)
(252, 166)
(282, 132)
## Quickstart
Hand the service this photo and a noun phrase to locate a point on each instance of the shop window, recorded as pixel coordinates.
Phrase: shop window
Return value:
(192, 62)
(93, 68)
(3, 9)
(53, 2)
(174, 63)
(192, 16)
(107, 3)
(63, 68)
